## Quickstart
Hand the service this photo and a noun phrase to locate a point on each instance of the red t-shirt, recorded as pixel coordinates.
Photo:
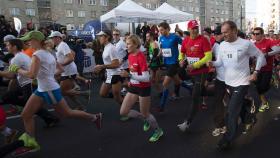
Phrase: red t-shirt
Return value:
(138, 64)
(194, 49)
(265, 47)
(212, 40)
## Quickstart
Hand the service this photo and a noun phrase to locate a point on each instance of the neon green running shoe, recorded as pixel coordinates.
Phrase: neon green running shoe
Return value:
(29, 142)
(264, 107)
(146, 126)
(157, 134)
(124, 118)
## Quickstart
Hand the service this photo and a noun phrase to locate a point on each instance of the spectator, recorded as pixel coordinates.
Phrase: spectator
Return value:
(138, 30)
(144, 31)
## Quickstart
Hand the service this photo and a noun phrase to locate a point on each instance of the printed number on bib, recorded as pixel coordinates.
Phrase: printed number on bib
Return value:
(231, 56)
(166, 52)
(192, 60)
(132, 81)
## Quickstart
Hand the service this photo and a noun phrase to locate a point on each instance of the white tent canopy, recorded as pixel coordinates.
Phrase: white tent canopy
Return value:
(128, 11)
(171, 14)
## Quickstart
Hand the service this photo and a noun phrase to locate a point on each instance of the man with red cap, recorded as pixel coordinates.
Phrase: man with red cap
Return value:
(197, 49)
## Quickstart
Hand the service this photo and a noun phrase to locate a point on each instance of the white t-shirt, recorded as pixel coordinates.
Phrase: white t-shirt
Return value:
(61, 51)
(45, 77)
(121, 52)
(89, 60)
(234, 57)
(219, 70)
(23, 61)
(109, 54)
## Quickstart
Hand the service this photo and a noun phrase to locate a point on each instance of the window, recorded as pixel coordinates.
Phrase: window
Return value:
(81, 14)
(226, 12)
(14, 11)
(148, 5)
(68, 1)
(81, 26)
(217, 11)
(70, 27)
(92, 2)
(212, 10)
(93, 14)
(217, 19)
(80, 2)
(69, 13)
(222, 19)
(191, 9)
(30, 12)
(104, 2)
(197, 9)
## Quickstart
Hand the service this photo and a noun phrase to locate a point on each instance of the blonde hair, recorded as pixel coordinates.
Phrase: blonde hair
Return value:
(49, 45)
(135, 40)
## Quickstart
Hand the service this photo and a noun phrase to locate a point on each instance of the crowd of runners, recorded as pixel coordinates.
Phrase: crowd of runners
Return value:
(221, 63)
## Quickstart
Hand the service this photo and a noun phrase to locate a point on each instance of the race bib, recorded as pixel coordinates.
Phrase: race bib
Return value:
(166, 52)
(192, 60)
(230, 56)
(132, 81)
(109, 79)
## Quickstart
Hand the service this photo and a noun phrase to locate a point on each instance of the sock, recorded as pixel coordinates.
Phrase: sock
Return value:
(7, 131)
(152, 121)
(163, 98)
(177, 90)
(135, 114)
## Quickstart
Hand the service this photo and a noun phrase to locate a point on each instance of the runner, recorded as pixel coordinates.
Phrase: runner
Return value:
(122, 53)
(111, 65)
(43, 68)
(23, 91)
(139, 88)
(65, 57)
(169, 50)
(265, 74)
(234, 57)
(198, 51)
(154, 60)
(220, 88)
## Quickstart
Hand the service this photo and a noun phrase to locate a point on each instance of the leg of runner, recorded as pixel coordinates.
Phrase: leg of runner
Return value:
(219, 112)
(196, 100)
(263, 85)
(149, 119)
(104, 90)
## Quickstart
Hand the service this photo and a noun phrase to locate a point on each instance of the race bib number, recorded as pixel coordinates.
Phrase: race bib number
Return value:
(192, 60)
(109, 79)
(230, 56)
(132, 81)
(166, 52)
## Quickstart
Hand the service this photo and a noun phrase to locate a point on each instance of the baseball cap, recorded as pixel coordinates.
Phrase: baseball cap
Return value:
(9, 37)
(56, 34)
(33, 35)
(192, 24)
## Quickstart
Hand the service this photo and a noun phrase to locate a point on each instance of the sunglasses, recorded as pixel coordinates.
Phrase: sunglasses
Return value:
(116, 34)
(256, 34)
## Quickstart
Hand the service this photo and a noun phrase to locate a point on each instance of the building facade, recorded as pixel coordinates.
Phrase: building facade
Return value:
(208, 12)
(25, 10)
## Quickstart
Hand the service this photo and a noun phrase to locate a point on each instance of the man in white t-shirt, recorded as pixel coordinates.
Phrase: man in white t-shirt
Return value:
(234, 54)
(65, 57)
(122, 53)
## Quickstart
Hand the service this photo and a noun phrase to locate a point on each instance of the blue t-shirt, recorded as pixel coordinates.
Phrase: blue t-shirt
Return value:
(170, 42)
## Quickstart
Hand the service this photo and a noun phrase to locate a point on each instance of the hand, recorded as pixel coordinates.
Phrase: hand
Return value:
(98, 68)
(190, 67)
(13, 68)
(253, 77)
(209, 64)
(124, 73)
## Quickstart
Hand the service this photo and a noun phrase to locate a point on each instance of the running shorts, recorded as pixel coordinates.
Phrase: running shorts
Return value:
(172, 70)
(263, 82)
(142, 92)
(50, 97)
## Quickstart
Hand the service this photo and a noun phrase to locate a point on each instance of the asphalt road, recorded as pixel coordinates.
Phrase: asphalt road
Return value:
(80, 139)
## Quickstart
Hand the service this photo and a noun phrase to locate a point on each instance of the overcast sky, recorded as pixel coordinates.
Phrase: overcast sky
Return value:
(250, 8)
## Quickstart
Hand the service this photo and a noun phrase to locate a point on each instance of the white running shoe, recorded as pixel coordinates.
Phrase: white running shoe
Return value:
(184, 126)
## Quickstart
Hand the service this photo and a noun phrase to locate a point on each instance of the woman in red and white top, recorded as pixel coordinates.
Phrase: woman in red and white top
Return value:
(139, 88)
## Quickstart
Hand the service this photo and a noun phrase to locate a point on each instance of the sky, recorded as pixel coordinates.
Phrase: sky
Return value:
(250, 9)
